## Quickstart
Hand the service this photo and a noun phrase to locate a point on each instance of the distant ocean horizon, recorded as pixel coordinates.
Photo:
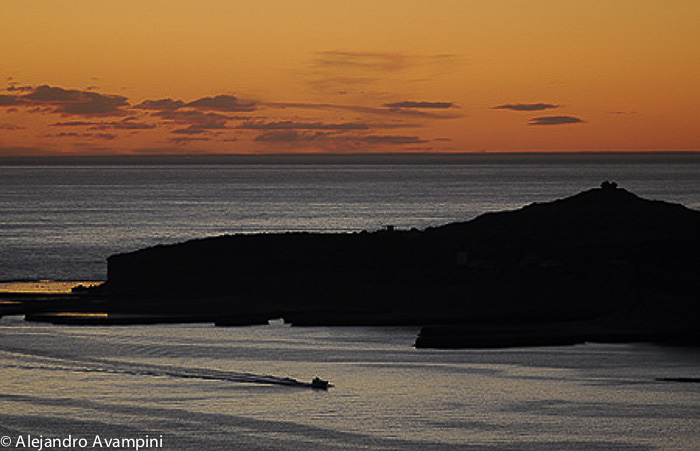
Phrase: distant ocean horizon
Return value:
(61, 217)
(487, 157)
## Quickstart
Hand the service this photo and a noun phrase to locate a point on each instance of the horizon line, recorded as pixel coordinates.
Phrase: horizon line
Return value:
(655, 156)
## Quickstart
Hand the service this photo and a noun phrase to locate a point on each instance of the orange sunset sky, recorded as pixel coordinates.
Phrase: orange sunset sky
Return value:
(275, 76)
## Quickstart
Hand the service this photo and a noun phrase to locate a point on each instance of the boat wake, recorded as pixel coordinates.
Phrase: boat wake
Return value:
(138, 369)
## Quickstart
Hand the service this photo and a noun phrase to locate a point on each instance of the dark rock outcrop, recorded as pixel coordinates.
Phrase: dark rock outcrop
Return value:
(603, 253)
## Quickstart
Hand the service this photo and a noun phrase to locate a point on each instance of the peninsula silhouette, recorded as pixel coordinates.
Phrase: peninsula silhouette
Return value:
(602, 265)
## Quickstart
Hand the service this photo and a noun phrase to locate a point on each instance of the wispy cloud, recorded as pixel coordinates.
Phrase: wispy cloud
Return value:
(224, 103)
(10, 100)
(383, 111)
(107, 136)
(555, 120)
(104, 136)
(63, 135)
(74, 124)
(378, 61)
(332, 141)
(191, 130)
(340, 84)
(359, 73)
(195, 119)
(76, 102)
(526, 106)
(11, 127)
(385, 139)
(20, 88)
(160, 105)
(183, 140)
(291, 125)
(420, 105)
(288, 136)
(129, 123)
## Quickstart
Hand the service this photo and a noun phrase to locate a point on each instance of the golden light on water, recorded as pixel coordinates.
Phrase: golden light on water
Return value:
(44, 286)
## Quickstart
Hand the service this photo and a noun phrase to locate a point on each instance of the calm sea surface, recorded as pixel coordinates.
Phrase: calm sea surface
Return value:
(61, 222)
(184, 382)
(202, 387)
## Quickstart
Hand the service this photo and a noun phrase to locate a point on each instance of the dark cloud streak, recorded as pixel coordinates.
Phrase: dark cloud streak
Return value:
(74, 124)
(105, 136)
(125, 124)
(555, 120)
(293, 136)
(388, 139)
(10, 100)
(191, 130)
(11, 127)
(288, 136)
(290, 125)
(380, 61)
(160, 105)
(413, 104)
(19, 88)
(526, 106)
(363, 109)
(47, 98)
(197, 119)
(225, 103)
(182, 140)
(376, 61)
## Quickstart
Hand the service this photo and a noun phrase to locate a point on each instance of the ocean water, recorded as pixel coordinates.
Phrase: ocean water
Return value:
(202, 387)
(62, 222)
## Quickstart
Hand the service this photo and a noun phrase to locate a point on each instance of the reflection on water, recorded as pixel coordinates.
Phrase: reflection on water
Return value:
(195, 384)
(43, 286)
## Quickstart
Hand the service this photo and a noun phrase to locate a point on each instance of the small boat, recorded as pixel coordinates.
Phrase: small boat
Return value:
(317, 382)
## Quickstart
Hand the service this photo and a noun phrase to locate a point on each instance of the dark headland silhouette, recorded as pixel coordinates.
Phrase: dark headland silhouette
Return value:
(602, 265)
